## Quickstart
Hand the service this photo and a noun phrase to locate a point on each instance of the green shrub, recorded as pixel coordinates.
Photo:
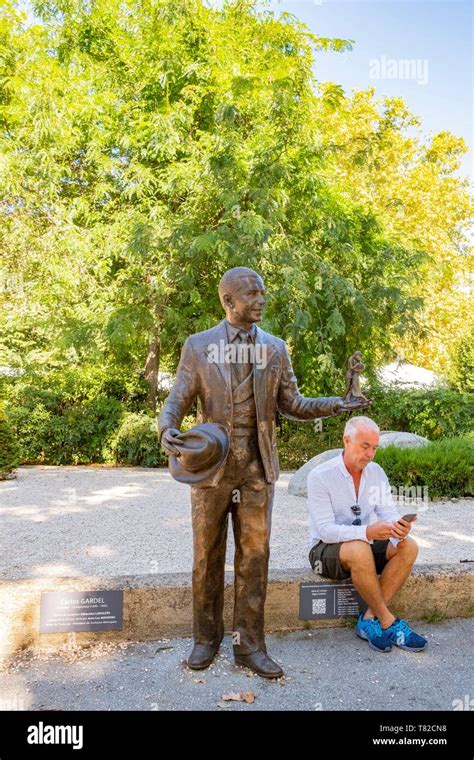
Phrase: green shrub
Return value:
(136, 442)
(63, 417)
(435, 414)
(298, 441)
(9, 449)
(445, 467)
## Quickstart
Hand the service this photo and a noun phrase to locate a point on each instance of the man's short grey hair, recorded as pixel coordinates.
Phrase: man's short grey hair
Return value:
(360, 423)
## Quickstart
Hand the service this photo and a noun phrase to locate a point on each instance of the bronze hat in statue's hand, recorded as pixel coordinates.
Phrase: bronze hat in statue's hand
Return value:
(202, 451)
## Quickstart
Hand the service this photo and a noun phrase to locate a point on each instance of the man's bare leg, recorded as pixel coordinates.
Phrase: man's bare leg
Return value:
(356, 557)
(401, 559)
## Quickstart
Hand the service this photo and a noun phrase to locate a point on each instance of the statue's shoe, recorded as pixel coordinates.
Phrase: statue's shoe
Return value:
(202, 656)
(260, 663)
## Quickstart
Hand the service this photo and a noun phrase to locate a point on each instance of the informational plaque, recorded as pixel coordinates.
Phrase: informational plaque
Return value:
(81, 611)
(326, 601)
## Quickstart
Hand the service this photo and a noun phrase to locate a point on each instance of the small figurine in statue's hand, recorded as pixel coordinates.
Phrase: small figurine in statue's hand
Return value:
(353, 396)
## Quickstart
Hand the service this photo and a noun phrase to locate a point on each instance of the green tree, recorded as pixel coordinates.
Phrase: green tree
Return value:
(9, 448)
(148, 145)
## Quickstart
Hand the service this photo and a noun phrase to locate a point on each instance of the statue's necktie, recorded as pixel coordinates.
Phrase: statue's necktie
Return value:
(242, 364)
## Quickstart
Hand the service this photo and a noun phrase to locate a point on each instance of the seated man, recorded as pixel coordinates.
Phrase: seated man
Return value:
(343, 494)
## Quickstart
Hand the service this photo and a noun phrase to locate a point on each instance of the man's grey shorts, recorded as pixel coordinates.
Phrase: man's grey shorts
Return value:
(328, 556)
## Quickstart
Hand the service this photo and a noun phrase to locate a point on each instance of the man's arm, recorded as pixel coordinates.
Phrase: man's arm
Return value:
(183, 392)
(385, 508)
(387, 511)
(297, 407)
(322, 517)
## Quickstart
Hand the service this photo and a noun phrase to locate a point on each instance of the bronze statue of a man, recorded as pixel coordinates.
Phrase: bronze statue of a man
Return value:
(241, 391)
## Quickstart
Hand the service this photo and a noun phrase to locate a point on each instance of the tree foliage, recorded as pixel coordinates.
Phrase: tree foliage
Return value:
(148, 145)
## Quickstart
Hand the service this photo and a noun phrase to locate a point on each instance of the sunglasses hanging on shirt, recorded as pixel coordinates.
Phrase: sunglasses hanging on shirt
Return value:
(356, 511)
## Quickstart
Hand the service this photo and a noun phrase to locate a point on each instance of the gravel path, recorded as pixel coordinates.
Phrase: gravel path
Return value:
(74, 521)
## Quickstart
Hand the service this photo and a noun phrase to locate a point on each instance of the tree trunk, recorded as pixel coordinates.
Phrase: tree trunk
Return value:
(152, 367)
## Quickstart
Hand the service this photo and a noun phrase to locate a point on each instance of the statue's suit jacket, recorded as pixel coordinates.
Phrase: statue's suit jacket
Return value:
(275, 388)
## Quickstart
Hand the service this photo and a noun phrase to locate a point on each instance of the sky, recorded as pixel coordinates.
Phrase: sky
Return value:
(421, 51)
(434, 36)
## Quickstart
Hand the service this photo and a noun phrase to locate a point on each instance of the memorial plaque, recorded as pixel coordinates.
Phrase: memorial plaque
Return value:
(326, 601)
(81, 611)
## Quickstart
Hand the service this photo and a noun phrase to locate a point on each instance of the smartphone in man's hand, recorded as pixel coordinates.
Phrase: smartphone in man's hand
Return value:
(409, 518)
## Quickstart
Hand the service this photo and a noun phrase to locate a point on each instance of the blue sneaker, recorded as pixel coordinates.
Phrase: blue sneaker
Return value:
(372, 632)
(400, 634)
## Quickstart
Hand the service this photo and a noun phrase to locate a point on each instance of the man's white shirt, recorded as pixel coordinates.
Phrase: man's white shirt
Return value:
(331, 494)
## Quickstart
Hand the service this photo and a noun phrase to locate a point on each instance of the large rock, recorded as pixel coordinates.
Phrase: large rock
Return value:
(402, 440)
(297, 484)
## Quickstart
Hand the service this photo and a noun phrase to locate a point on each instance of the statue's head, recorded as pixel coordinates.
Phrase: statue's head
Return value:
(241, 293)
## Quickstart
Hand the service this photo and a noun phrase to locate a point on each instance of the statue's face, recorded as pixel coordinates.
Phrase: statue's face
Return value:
(246, 302)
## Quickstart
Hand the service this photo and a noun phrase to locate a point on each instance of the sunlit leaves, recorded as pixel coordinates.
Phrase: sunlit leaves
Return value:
(148, 145)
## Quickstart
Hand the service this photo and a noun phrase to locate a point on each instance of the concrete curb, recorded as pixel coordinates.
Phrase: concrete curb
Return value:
(160, 606)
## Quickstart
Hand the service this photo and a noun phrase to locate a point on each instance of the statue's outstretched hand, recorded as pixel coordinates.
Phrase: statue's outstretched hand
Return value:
(341, 406)
(168, 441)
(338, 406)
(359, 402)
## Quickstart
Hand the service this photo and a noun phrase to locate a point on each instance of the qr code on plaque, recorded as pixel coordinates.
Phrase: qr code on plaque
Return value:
(318, 606)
